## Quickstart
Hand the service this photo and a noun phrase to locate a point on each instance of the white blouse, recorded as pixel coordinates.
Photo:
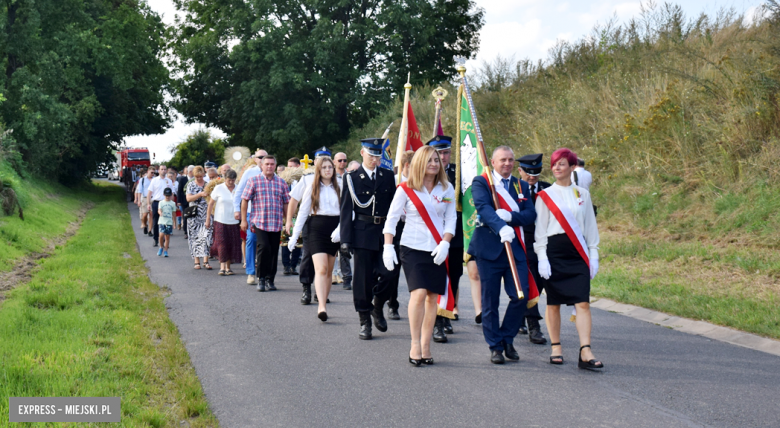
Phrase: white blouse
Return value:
(329, 204)
(547, 224)
(416, 234)
(223, 204)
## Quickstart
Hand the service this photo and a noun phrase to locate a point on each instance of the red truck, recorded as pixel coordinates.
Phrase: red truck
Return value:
(132, 158)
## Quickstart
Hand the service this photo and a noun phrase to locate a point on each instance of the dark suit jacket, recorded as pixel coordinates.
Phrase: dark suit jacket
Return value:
(457, 240)
(530, 230)
(358, 233)
(486, 243)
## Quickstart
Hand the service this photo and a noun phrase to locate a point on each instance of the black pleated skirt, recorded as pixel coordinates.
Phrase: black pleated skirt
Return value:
(422, 272)
(320, 228)
(570, 279)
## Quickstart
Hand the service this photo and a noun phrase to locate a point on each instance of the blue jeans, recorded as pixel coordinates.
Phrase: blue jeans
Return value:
(251, 248)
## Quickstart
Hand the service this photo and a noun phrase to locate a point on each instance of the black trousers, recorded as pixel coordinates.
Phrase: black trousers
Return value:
(392, 292)
(267, 252)
(533, 266)
(371, 279)
(155, 219)
(306, 272)
(290, 258)
(455, 271)
(184, 206)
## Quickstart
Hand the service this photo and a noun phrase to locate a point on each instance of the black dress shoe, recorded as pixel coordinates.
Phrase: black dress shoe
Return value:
(427, 361)
(261, 284)
(146, 230)
(287, 270)
(438, 332)
(478, 318)
(392, 313)
(535, 332)
(151, 233)
(347, 286)
(511, 352)
(447, 325)
(306, 297)
(270, 283)
(415, 362)
(496, 357)
(365, 326)
(155, 243)
(379, 318)
(293, 271)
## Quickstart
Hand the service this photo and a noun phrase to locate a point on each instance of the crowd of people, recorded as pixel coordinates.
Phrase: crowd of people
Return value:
(529, 237)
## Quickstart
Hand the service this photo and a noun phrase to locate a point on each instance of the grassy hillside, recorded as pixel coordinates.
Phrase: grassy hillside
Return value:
(679, 121)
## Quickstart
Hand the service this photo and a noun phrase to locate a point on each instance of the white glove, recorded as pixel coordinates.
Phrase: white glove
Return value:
(441, 252)
(504, 215)
(544, 268)
(335, 237)
(388, 257)
(292, 243)
(507, 234)
(593, 257)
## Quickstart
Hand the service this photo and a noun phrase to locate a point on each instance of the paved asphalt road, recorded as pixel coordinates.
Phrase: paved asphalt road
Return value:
(266, 360)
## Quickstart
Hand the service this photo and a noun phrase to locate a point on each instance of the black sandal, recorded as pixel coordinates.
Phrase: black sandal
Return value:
(229, 272)
(556, 359)
(207, 266)
(591, 364)
(221, 272)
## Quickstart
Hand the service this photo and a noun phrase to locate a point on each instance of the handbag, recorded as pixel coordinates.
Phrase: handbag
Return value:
(191, 211)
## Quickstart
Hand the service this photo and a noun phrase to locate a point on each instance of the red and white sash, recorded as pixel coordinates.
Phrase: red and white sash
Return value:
(506, 202)
(567, 221)
(446, 301)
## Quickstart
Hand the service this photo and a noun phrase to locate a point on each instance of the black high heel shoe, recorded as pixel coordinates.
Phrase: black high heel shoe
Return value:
(556, 359)
(323, 316)
(590, 364)
(414, 362)
(427, 361)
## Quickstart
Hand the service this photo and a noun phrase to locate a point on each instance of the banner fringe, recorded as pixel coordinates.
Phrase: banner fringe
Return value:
(445, 313)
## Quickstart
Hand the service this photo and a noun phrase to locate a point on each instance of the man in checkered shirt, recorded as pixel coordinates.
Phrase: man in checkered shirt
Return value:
(269, 196)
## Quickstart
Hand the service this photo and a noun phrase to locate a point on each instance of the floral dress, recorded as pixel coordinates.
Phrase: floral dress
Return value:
(200, 236)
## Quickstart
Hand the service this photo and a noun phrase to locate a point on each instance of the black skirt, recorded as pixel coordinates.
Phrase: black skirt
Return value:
(570, 279)
(422, 272)
(320, 228)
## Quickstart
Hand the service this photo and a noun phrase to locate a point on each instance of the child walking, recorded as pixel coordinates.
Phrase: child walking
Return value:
(166, 209)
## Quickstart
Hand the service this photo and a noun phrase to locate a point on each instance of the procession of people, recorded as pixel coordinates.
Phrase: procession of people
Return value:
(530, 237)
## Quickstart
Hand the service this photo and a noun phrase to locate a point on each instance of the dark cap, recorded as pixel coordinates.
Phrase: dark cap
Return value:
(167, 191)
(440, 142)
(531, 164)
(210, 164)
(373, 146)
(322, 151)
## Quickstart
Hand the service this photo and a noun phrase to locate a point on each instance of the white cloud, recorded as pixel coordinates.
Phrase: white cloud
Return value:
(508, 38)
(562, 7)
(626, 11)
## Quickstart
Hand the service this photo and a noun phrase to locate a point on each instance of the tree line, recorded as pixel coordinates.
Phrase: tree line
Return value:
(287, 75)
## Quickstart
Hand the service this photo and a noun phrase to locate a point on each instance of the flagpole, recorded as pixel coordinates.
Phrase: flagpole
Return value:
(456, 149)
(402, 134)
(486, 162)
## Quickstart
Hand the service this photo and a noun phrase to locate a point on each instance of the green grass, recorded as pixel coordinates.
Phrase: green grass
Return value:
(90, 323)
(47, 214)
(673, 294)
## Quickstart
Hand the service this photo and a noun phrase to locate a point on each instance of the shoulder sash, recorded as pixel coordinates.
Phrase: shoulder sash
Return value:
(567, 221)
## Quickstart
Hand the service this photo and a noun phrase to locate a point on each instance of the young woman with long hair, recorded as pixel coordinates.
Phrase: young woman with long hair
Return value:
(320, 206)
(428, 201)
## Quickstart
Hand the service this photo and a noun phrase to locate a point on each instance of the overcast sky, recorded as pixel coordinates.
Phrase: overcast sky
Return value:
(513, 28)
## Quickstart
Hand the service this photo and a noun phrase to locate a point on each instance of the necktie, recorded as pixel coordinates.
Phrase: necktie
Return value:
(506, 183)
(533, 194)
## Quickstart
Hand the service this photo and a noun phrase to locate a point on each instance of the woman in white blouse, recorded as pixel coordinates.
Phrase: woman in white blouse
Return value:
(422, 257)
(320, 207)
(227, 231)
(567, 241)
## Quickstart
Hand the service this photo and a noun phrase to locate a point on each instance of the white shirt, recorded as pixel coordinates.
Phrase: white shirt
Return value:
(143, 185)
(584, 178)
(251, 172)
(301, 186)
(416, 234)
(157, 187)
(223, 204)
(370, 172)
(329, 204)
(547, 224)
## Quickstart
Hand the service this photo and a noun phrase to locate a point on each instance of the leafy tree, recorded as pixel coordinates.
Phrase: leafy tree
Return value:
(292, 75)
(198, 148)
(79, 77)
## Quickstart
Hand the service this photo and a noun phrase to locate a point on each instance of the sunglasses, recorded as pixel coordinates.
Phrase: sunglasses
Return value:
(341, 160)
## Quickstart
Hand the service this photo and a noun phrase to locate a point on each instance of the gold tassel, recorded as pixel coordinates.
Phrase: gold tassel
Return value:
(532, 303)
(445, 313)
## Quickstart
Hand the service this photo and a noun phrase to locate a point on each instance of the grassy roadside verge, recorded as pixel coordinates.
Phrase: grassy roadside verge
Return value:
(731, 285)
(90, 323)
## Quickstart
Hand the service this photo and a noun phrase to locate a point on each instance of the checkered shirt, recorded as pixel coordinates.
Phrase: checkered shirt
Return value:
(268, 198)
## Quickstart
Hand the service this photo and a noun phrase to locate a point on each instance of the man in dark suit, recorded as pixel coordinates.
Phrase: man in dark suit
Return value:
(494, 228)
(443, 326)
(530, 168)
(367, 193)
